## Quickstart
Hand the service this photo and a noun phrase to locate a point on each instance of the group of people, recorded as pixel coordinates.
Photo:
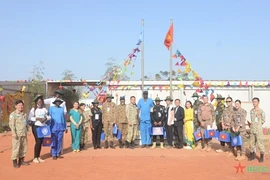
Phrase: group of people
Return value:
(178, 124)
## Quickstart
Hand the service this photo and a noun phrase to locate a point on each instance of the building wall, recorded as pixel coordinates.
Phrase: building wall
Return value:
(245, 94)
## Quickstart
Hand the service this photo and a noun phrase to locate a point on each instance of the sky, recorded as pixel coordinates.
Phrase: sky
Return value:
(222, 40)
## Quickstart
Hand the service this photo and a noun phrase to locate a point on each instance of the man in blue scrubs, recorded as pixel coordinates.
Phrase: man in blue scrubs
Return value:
(144, 105)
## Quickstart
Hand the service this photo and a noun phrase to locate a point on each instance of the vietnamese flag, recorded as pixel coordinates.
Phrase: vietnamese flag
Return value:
(169, 37)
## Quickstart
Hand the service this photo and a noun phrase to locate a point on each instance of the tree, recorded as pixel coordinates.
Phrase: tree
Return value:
(37, 85)
(114, 71)
(71, 93)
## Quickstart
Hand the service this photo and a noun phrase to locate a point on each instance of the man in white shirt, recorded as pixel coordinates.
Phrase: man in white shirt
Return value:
(57, 94)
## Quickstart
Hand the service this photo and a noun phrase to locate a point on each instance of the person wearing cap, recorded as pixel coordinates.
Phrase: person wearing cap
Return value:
(19, 129)
(57, 95)
(157, 117)
(39, 116)
(219, 111)
(58, 127)
(108, 119)
(96, 124)
(144, 105)
(196, 105)
(122, 122)
(169, 121)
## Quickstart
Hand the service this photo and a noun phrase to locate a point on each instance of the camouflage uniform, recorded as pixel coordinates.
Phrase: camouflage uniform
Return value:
(226, 120)
(132, 117)
(85, 127)
(19, 128)
(257, 118)
(122, 122)
(219, 111)
(208, 109)
(196, 106)
(239, 120)
(108, 118)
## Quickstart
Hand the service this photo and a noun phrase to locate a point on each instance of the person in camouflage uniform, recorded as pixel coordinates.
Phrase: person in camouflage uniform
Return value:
(226, 120)
(257, 118)
(19, 128)
(196, 106)
(121, 121)
(108, 120)
(206, 117)
(132, 117)
(239, 126)
(85, 125)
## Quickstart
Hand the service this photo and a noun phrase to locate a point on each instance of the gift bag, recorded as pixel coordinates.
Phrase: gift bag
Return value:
(47, 141)
(236, 141)
(102, 137)
(119, 135)
(197, 135)
(224, 136)
(114, 129)
(157, 131)
(43, 131)
(209, 133)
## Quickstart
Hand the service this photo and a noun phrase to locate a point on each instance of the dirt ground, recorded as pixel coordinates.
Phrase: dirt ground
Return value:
(123, 164)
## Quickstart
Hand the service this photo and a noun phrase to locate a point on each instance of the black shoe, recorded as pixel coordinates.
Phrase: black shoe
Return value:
(252, 156)
(261, 158)
(15, 163)
(95, 147)
(133, 144)
(98, 146)
(120, 144)
(22, 162)
(143, 146)
(106, 145)
(54, 158)
(60, 157)
(111, 145)
(127, 144)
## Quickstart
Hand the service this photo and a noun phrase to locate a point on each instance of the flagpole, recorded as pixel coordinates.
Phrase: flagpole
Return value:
(142, 55)
(171, 66)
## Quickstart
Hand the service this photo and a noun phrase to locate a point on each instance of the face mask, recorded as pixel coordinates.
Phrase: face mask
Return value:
(195, 98)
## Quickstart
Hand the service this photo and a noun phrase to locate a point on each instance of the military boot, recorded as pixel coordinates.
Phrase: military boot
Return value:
(15, 163)
(120, 144)
(133, 144)
(261, 158)
(111, 145)
(106, 146)
(22, 162)
(238, 156)
(162, 145)
(198, 147)
(154, 145)
(252, 156)
(230, 153)
(127, 144)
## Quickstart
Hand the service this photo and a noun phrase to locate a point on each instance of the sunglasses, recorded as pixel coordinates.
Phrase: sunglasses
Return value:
(228, 101)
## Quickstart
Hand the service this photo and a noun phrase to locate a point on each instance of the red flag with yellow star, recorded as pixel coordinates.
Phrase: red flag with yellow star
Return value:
(169, 37)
